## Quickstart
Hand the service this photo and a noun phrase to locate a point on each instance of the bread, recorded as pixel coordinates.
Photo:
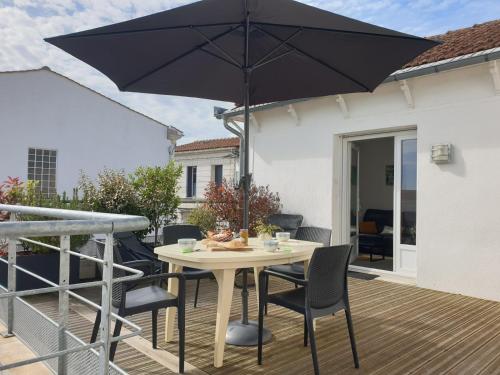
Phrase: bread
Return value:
(234, 244)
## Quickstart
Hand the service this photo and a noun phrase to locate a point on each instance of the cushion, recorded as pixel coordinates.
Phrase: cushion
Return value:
(387, 230)
(368, 227)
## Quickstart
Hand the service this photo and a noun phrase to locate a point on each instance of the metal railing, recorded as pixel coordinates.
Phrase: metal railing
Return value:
(18, 314)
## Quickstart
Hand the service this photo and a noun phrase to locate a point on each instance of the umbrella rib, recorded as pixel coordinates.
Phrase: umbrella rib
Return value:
(171, 61)
(319, 61)
(221, 58)
(411, 37)
(217, 47)
(105, 33)
(263, 61)
(286, 53)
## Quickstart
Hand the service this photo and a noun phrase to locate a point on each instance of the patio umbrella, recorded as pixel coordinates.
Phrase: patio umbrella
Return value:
(244, 51)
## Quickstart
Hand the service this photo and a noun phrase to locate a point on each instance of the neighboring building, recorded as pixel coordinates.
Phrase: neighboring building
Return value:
(362, 163)
(53, 127)
(202, 162)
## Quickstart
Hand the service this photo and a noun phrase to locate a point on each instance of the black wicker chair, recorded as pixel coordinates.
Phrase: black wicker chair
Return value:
(172, 233)
(323, 293)
(143, 295)
(313, 234)
(287, 222)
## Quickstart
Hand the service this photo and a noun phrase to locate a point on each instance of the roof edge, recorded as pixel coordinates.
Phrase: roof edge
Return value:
(180, 133)
(398, 75)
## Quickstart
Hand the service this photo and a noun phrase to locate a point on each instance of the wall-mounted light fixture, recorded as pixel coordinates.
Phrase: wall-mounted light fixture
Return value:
(441, 153)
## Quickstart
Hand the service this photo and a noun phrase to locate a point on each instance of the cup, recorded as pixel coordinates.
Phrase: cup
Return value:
(282, 236)
(271, 245)
(186, 244)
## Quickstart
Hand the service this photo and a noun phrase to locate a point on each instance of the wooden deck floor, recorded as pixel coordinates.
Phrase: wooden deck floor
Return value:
(400, 329)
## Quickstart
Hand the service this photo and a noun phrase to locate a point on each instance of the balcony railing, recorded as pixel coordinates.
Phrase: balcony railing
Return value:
(51, 341)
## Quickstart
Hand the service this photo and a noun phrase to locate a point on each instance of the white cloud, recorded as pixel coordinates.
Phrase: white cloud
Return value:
(24, 24)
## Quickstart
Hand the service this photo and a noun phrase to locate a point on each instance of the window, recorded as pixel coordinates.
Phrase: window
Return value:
(42, 168)
(191, 182)
(218, 175)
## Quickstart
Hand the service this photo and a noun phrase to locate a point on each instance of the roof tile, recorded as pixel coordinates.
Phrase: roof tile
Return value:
(209, 144)
(461, 42)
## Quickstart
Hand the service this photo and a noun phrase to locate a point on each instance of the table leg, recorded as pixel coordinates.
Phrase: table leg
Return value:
(225, 280)
(256, 271)
(173, 287)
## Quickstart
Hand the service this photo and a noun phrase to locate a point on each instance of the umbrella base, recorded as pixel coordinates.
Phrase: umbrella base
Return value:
(240, 334)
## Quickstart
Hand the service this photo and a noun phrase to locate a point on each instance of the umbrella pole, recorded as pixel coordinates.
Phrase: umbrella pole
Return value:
(245, 332)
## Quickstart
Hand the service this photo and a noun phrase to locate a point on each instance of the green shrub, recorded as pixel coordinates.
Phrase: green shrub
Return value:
(156, 189)
(204, 218)
(113, 193)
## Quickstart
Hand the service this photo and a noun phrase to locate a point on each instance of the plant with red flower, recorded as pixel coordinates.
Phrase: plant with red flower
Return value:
(226, 203)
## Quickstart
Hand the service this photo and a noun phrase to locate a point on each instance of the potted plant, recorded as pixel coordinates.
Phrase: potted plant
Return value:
(265, 231)
(36, 258)
(226, 202)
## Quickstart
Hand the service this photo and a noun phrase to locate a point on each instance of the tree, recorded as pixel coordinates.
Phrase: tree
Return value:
(157, 189)
(226, 202)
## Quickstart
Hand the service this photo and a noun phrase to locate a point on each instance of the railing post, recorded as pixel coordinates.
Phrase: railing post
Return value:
(107, 291)
(11, 279)
(64, 259)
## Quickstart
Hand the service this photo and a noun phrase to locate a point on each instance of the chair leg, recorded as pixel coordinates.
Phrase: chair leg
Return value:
(95, 330)
(351, 335)
(155, 328)
(112, 350)
(306, 333)
(262, 309)
(196, 293)
(181, 318)
(312, 339)
(267, 293)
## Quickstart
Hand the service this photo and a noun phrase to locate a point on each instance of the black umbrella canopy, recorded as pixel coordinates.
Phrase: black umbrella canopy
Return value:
(199, 50)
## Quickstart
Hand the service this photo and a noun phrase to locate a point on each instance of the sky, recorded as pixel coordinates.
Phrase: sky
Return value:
(24, 24)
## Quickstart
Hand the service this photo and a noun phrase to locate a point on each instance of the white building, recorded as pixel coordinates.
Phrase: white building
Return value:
(333, 158)
(202, 162)
(52, 128)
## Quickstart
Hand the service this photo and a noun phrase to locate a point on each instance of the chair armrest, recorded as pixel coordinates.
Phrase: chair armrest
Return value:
(285, 277)
(142, 265)
(161, 277)
(181, 295)
(165, 276)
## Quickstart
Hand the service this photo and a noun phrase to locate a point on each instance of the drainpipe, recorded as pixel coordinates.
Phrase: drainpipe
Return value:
(239, 133)
(236, 130)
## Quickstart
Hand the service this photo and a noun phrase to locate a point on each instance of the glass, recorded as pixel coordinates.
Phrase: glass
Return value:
(244, 236)
(409, 192)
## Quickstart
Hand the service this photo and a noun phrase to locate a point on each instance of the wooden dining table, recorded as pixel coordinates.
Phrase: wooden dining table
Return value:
(224, 265)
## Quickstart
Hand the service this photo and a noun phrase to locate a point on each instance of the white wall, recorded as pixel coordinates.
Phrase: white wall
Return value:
(375, 155)
(458, 204)
(44, 110)
(204, 160)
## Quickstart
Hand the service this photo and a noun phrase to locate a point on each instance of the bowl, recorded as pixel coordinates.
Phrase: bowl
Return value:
(282, 236)
(186, 244)
(271, 245)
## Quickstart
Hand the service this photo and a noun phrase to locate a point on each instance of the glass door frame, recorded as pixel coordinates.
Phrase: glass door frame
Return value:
(342, 197)
(399, 248)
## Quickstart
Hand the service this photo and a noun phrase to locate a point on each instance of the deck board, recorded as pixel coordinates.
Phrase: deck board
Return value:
(400, 329)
